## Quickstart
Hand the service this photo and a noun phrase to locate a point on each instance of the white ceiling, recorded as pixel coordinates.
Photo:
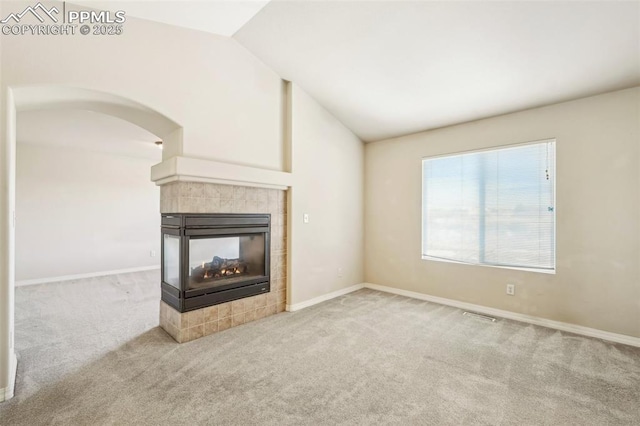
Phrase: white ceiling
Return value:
(86, 130)
(222, 17)
(388, 68)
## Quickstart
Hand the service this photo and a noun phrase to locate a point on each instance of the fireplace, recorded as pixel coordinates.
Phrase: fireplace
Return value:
(208, 259)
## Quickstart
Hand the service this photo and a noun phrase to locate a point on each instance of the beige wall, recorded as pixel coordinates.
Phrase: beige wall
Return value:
(327, 166)
(81, 212)
(227, 101)
(597, 283)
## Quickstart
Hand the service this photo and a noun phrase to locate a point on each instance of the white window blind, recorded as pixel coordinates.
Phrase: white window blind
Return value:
(494, 207)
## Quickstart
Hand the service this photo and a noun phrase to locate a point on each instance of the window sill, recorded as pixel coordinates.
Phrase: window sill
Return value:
(515, 268)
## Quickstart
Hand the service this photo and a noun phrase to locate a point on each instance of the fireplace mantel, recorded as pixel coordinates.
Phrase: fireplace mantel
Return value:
(199, 170)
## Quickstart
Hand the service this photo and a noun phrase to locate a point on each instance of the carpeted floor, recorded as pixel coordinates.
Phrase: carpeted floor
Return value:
(90, 352)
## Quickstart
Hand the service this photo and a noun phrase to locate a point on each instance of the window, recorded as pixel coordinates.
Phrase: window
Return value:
(494, 207)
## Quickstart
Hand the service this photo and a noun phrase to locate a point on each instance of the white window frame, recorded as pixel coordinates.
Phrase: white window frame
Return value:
(493, 148)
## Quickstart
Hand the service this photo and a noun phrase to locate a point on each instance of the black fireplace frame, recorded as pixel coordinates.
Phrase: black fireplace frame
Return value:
(197, 225)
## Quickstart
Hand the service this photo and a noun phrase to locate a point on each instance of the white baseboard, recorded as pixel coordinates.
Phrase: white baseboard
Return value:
(557, 325)
(81, 276)
(7, 393)
(323, 298)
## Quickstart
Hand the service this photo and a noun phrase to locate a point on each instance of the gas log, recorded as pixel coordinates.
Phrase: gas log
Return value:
(218, 268)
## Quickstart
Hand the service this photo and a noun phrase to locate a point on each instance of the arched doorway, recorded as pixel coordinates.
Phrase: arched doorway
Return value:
(52, 97)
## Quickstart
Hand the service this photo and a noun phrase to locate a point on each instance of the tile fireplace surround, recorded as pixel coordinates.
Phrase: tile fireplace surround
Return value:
(196, 197)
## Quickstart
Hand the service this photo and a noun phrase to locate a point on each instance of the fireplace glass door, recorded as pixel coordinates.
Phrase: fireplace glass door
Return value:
(221, 260)
(171, 260)
(208, 259)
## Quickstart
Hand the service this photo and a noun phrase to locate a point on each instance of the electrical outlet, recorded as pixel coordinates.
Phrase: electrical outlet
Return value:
(152, 253)
(339, 272)
(511, 289)
(305, 218)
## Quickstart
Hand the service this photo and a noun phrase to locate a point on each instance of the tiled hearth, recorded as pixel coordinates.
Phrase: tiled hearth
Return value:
(196, 197)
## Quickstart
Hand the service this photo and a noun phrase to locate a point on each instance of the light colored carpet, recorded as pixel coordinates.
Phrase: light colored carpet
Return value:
(91, 353)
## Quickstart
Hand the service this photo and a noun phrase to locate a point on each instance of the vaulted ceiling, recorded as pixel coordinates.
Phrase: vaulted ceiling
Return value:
(389, 68)
(222, 17)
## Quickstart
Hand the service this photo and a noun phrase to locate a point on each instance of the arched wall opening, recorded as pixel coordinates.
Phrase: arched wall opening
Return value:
(42, 98)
